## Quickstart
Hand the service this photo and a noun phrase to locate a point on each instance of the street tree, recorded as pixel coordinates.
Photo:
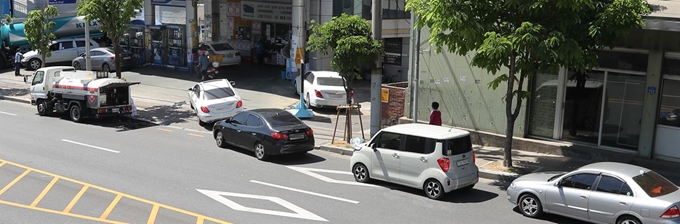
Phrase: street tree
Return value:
(518, 38)
(350, 39)
(38, 29)
(113, 18)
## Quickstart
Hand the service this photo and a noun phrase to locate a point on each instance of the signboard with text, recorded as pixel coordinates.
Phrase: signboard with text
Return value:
(59, 2)
(174, 3)
(268, 12)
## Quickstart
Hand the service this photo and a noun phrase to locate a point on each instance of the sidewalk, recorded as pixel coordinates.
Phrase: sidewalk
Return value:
(490, 163)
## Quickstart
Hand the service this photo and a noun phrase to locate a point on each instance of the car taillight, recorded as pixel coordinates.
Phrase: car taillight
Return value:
(444, 163)
(351, 94)
(239, 104)
(671, 213)
(279, 136)
(102, 110)
(318, 94)
(474, 157)
(309, 132)
(113, 57)
(128, 108)
(205, 110)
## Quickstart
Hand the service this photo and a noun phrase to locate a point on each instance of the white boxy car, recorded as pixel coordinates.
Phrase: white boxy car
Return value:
(433, 158)
(214, 100)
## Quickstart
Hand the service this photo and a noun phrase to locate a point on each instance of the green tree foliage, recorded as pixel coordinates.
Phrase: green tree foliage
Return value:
(526, 37)
(38, 29)
(113, 17)
(350, 38)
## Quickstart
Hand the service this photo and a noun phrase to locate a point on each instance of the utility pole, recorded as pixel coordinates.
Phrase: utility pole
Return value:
(88, 60)
(376, 73)
(415, 73)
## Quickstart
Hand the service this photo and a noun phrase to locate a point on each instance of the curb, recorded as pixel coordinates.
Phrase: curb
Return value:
(486, 174)
(15, 99)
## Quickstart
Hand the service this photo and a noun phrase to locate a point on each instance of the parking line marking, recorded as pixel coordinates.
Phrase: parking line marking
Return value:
(57, 212)
(152, 215)
(306, 192)
(44, 191)
(2, 163)
(14, 181)
(105, 190)
(199, 220)
(196, 135)
(11, 114)
(76, 199)
(165, 130)
(91, 146)
(111, 206)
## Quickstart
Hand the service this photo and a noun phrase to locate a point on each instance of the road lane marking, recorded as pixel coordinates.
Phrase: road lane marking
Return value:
(196, 135)
(199, 220)
(313, 172)
(297, 212)
(168, 207)
(76, 199)
(165, 130)
(11, 114)
(2, 163)
(14, 181)
(111, 206)
(91, 146)
(58, 212)
(153, 214)
(44, 191)
(306, 192)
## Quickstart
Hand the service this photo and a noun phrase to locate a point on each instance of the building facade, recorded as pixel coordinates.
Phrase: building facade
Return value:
(630, 103)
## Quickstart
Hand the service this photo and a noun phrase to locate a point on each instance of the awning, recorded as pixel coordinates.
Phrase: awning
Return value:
(665, 15)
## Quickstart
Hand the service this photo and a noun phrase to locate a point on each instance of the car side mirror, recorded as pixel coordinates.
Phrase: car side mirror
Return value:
(232, 83)
(191, 89)
(82, 54)
(374, 147)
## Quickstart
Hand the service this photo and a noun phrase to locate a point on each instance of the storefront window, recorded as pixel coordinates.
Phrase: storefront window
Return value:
(623, 61)
(671, 64)
(542, 111)
(392, 9)
(669, 113)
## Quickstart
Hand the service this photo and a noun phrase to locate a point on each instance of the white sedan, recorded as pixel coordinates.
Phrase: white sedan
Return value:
(322, 88)
(230, 56)
(214, 100)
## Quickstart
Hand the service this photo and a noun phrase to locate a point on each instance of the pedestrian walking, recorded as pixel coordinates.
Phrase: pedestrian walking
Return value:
(259, 50)
(436, 115)
(204, 62)
(17, 62)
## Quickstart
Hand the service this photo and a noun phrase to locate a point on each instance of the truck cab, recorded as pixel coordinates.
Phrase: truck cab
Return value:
(42, 81)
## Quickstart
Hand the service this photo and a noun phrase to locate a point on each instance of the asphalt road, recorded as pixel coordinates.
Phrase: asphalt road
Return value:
(183, 176)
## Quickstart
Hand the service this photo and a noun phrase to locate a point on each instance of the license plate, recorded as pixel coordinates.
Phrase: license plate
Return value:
(126, 58)
(296, 136)
(114, 110)
(463, 162)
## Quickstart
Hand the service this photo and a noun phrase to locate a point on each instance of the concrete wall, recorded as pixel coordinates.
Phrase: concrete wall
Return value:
(393, 109)
(462, 92)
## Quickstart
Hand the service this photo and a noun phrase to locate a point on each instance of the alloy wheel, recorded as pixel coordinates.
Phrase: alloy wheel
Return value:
(360, 173)
(433, 189)
(76, 65)
(259, 151)
(35, 64)
(219, 139)
(529, 206)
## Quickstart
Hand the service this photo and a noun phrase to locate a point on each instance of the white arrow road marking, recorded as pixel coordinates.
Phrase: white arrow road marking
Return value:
(311, 172)
(11, 114)
(91, 146)
(298, 212)
(306, 192)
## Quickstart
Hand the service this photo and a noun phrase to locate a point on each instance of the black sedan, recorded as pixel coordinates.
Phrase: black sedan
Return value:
(266, 132)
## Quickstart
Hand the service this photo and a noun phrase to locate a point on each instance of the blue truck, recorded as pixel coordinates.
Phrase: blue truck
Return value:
(13, 36)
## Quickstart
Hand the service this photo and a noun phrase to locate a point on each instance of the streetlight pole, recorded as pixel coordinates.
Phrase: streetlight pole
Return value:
(376, 73)
(88, 61)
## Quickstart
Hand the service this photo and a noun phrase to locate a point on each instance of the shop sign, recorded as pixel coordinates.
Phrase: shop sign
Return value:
(59, 2)
(384, 95)
(269, 12)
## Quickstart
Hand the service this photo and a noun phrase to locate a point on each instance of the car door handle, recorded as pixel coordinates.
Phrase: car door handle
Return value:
(423, 159)
(583, 196)
(623, 202)
(395, 155)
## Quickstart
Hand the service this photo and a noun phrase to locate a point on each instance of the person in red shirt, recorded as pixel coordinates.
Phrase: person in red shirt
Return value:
(436, 115)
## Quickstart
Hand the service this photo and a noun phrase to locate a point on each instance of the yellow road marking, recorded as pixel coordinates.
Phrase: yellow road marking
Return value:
(14, 181)
(111, 206)
(115, 192)
(57, 212)
(165, 130)
(199, 220)
(152, 215)
(3, 163)
(76, 198)
(196, 135)
(44, 191)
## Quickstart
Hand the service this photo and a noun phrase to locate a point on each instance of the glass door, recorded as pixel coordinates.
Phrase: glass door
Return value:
(583, 106)
(624, 100)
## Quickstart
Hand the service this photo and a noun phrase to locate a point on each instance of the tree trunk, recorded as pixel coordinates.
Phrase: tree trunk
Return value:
(510, 128)
(43, 57)
(116, 49)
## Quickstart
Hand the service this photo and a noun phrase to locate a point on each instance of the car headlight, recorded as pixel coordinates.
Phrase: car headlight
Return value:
(512, 186)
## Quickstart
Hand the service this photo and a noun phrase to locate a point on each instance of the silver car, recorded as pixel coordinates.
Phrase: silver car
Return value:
(604, 192)
(103, 59)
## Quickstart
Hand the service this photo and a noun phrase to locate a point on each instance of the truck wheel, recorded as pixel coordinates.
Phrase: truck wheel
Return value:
(44, 108)
(34, 64)
(76, 113)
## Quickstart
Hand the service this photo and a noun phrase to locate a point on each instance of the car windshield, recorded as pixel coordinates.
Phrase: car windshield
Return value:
(219, 93)
(281, 119)
(222, 47)
(654, 184)
(328, 81)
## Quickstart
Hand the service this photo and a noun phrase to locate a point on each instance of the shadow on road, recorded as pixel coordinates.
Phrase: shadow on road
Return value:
(286, 159)
(119, 123)
(457, 196)
(551, 218)
(167, 114)
(14, 92)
